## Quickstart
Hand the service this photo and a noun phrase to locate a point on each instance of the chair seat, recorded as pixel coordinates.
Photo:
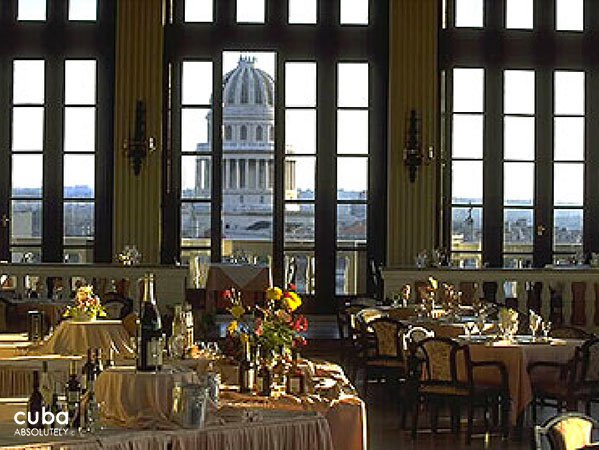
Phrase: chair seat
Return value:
(386, 362)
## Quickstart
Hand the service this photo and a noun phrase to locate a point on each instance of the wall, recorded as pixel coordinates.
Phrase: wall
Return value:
(139, 65)
(413, 218)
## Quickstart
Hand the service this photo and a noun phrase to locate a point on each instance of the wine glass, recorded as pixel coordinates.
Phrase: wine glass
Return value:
(534, 326)
(213, 349)
(480, 323)
(546, 327)
(468, 329)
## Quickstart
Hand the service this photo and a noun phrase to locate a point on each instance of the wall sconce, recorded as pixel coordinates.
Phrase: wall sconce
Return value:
(139, 147)
(413, 155)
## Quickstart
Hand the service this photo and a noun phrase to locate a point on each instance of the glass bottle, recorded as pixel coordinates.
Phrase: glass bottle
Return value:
(295, 380)
(246, 369)
(87, 371)
(73, 397)
(149, 330)
(35, 404)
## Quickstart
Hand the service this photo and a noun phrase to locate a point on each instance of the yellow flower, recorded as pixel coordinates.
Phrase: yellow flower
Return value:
(434, 283)
(274, 293)
(232, 327)
(237, 311)
(292, 301)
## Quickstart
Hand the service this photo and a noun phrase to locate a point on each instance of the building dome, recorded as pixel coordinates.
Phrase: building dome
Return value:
(248, 85)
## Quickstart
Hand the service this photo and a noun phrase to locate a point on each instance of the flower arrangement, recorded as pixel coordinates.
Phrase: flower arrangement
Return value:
(507, 320)
(87, 305)
(275, 327)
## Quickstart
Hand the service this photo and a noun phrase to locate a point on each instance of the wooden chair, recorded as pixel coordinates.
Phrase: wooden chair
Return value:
(569, 333)
(448, 377)
(572, 382)
(385, 358)
(349, 334)
(571, 431)
(117, 307)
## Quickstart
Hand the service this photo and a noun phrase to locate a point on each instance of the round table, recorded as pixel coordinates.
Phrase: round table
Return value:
(139, 399)
(75, 338)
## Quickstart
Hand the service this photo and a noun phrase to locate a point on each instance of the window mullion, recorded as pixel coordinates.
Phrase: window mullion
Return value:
(217, 158)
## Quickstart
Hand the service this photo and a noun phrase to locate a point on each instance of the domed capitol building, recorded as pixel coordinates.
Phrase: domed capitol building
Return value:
(248, 167)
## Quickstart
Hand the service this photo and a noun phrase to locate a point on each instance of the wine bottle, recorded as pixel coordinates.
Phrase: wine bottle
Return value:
(246, 370)
(149, 330)
(110, 360)
(264, 379)
(35, 404)
(87, 371)
(55, 406)
(295, 380)
(189, 326)
(92, 410)
(98, 363)
(73, 395)
(46, 388)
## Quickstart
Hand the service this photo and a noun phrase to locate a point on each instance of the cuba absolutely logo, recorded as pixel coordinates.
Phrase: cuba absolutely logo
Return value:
(44, 423)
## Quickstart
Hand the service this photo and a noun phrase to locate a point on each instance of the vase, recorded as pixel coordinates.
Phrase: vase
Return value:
(82, 316)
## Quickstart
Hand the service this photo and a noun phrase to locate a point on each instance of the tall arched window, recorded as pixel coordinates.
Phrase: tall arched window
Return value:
(243, 133)
(259, 132)
(228, 133)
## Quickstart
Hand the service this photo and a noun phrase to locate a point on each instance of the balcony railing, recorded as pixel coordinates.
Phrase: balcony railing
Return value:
(567, 296)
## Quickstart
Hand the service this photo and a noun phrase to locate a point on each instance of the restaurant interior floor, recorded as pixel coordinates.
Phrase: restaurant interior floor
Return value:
(383, 417)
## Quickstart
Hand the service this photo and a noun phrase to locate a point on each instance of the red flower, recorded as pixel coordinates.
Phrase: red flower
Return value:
(226, 294)
(292, 287)
(301, 324)
(299, 341)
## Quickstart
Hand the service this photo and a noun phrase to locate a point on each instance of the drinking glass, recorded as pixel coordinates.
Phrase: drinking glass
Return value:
(546, 327)
(468, 329)
(534, 326)
(213, 348)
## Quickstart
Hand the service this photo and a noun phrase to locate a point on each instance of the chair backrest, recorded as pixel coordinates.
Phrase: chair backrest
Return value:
(388, 337)
(571, 431)
(589, 353)
(440, 359)
(415, 335)
(117, 307)
(369, 314)
(569, 333)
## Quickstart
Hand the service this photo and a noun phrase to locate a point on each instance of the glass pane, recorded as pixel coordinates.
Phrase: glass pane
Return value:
(354, 12)
(29, 255)
(466, 260)
(466, 229)
(517, 261)
(467, 136)
(26, 222)
(27, 175)
(569, 93)
(79, 221)
(79, 176)
(567, 230)
(518, 182)
(299, 223)
(79, 129)
(569, 138)
(352, 178)
(300, 269)
(518, 230)
(28, 129)
(300, 131)
(31, 10)
(568, 184)
(519, 138)
(199, 11)
(469, 13)
(78, 255)
(303, 11)
(82, 9)
(569, 15)
(351, 223)
(196, 177)
(351, 273)
(300, 84)
(300, 178)
(352, 132)
(468, 90)
(197, 83)
(519, 92)
(194, 130)
(250, 11)
(353, 85)
(28, 81)
(467, 182)
(519, 14)
(195, 224)
(247, 216)
(242, 251)
(80, 82)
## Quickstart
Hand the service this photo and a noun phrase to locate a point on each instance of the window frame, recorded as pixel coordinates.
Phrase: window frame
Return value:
(327, 43)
